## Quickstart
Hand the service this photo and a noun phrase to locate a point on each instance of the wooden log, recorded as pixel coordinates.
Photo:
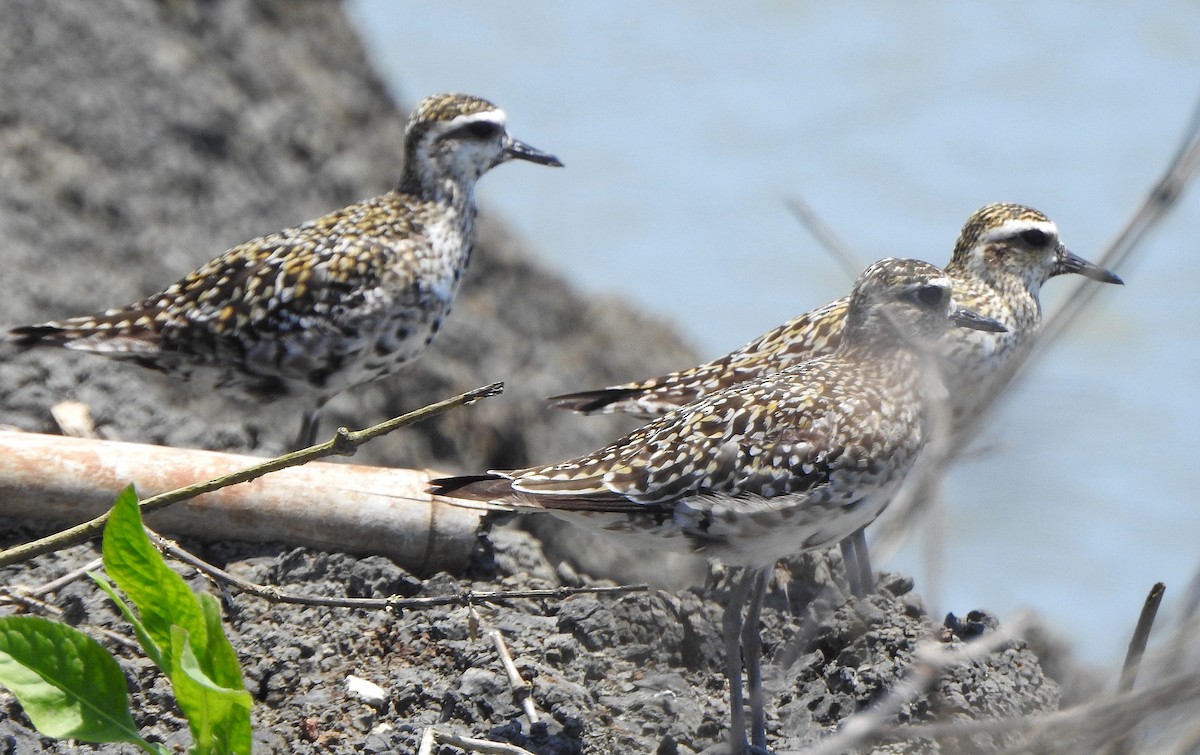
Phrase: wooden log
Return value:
(340, 507)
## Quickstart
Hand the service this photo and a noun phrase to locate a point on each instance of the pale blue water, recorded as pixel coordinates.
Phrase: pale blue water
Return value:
(684, 127)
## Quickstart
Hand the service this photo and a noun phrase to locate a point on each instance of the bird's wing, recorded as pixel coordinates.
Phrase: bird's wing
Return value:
(772, 436)
(804, 337)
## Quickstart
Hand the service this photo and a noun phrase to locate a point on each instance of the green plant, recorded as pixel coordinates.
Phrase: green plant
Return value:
(71, 687)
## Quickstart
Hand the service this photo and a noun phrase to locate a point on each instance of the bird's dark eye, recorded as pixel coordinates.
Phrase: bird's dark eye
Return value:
(929, 296)
(482, 129)
(1034, 237)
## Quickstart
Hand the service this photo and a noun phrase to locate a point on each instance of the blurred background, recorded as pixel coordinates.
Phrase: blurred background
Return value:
(685, 128)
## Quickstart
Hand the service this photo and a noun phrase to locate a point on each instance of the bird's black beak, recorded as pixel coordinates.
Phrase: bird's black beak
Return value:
(1069, 262)
(965, 318)
(517, 150)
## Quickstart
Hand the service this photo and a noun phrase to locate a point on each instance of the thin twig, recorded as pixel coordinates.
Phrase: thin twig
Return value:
(1188, 744)
(930, 660)
(393, 603)
(522, 689)
(53, 585)
(1133, 659)
(1159, 200)
(427, 738)
(1141, 635)
(1157, 203)
(1094, 722)
(840, 251)
(29, 601)
(344, 443)
(1154, 207)
(476, 745)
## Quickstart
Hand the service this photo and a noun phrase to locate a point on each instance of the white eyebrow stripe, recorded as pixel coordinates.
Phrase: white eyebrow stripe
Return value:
(1011, 228)
(496, 116)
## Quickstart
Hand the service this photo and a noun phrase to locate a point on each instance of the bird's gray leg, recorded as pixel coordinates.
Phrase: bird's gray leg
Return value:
(310, 423)
(862, 562)
(731, 623)
(752, 647)
(856, 559)
(850, 564)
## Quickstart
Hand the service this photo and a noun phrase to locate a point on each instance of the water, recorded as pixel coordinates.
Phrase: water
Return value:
(684, 128)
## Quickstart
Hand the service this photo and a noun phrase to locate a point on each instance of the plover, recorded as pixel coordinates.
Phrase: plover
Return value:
(1004, 253)
(310, 311)
(788, 462)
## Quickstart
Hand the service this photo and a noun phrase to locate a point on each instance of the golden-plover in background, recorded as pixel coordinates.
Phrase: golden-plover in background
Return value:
(1004, 253)
(310, 311)
(788, 462)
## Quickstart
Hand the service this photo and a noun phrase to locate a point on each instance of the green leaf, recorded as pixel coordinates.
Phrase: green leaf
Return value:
(153, 651)
(222, 667)
(181, 631)
(160, 595)
(219, 717)
(67, 682)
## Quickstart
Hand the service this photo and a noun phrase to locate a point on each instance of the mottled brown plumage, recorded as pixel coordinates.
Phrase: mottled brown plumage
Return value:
(1004, 253)
(775, 465)
(338, 301)
(787, 462)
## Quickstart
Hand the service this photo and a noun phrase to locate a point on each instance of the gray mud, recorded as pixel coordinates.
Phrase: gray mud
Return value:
(139, 139)
(636, 673)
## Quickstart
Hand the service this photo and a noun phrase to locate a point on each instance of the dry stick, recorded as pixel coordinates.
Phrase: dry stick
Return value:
(929, 662)
(1141, 635)
(1188, 744)
(432, 736)
(1133, 657)
(344, 443)
(1161, 199)
(275, 595)
(29, 601)
(427, 736)
(522, 689)
(6, 595)
(1154, 207)
(1113, 715)
(842, 253)
(1105, 720)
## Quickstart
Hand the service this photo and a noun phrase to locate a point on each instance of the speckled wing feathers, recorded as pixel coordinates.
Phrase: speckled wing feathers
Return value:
(782, 434)
(799, 339)
(335, 302)
(1003, 255)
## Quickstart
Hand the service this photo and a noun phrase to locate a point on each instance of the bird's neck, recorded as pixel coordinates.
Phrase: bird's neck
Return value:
(871, 344)
(433, 186)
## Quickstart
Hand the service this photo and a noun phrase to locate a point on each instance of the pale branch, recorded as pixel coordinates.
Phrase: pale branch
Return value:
(348, 508)
(1141, 636)
(392, 603)
(55, 584)
(432, 736)
(522, 689)
(29, 601)
(930, 660)
(344, 443)
(1099, 720)
(1133, 659)
(841, 252)
(427, 743)
(1161, 198)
